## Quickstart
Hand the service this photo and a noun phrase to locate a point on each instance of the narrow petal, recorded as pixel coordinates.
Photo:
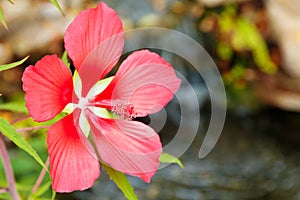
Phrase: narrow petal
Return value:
(48, 88)
(73, 166)
(94, 41)
(144, 80)
(127, 146)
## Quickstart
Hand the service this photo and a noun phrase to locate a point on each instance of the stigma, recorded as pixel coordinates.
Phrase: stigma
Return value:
(119, 108)
(123, 110)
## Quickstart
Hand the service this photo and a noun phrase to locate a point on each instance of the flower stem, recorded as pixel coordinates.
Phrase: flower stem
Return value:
(20, 119)
(3, 190)
(40, 178)
(31, 128)
(8, 170)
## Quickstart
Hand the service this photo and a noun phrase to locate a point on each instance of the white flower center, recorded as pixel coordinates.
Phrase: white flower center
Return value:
(83, 102)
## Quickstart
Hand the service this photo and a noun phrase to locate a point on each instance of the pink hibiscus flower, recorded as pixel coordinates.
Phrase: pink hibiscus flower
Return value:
(144, 84)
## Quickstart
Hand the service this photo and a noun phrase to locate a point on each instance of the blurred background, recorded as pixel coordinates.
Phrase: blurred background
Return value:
(255, 45)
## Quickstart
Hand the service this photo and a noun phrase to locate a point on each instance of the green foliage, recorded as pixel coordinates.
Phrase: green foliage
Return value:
(224, 51)
(64, 58)
(12, 65)
(17, 106)
(2, 19)
(248, 37)
(241, 98)
(10, 132)
(121, 181)
(53, 195)
(57, 6)
(41, 191)
(235, 74)
(167, 158)
(29, 122)
(243, 35)
(5, 196)
(26, 171)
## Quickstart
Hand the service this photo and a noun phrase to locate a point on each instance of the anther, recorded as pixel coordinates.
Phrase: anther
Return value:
(123, 110)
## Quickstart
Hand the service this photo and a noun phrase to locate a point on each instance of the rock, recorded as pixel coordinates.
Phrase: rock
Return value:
(284, 90)
(284, 18)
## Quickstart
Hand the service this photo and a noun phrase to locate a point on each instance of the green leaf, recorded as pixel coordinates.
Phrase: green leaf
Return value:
(10, 132)
(10, 1)
(64, 58)
(2, 19)
(121, 181)
(167, 158)
(14, 106)
(53, 195)
(12, 65)
(42, 190)
(57, 6)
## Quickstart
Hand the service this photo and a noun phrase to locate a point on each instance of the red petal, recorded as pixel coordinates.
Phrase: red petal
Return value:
(94, 41)
(144, 80)
(73, 166)
(48, 88)
(128, 146)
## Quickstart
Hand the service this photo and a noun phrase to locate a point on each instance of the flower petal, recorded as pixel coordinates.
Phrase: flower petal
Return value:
(73, 162)
(99, 62)
(94, 41)
(144, 80)
(48, 88)
(127, 146)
